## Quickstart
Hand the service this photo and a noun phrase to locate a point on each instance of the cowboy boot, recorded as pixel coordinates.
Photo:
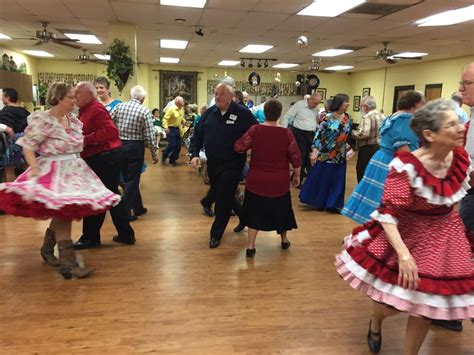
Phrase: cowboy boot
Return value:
(69, 266)
(47, 249)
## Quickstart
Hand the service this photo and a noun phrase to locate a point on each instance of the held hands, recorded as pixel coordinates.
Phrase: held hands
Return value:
(408, 273)
(196, 162)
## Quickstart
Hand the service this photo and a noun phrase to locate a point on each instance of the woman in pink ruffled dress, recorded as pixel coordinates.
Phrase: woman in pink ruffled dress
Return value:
(58, 184)
(414, 255)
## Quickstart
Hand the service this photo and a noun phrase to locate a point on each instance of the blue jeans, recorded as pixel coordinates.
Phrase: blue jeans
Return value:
(174, 145)
(132, 164)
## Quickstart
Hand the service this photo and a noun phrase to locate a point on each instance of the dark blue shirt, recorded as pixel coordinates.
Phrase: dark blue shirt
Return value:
(218, 133)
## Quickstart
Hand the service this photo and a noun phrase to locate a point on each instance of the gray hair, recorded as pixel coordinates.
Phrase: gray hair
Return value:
(228, 80)
(456, 96)
(430, 117)
(88, 86)
(228, 87)
(369, 101)
(138, 93)
(177, 99)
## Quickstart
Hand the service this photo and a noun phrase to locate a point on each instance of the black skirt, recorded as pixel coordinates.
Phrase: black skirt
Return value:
(268, 213)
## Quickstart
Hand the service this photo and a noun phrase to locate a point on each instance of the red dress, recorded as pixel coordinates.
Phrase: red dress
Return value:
(422, 206)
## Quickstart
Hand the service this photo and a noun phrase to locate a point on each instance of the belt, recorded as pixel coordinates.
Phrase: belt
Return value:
(59, 157)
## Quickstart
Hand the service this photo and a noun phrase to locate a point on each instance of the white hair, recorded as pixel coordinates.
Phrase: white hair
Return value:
(370, 102)
(138, 93)
(178, 98)
(88, 86)
(228, 80)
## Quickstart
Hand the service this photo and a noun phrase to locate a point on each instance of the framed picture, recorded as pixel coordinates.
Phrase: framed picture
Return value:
(365, 92)
(433, 91)
(398, 92)
(356, 105)
(322, 92)
(174, 83)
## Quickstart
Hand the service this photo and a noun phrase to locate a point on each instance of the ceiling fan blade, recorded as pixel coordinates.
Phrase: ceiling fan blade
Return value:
(414, 58)
(70, 45)
(29, 38)
(39, 43)
(367, 60)
(66, 40)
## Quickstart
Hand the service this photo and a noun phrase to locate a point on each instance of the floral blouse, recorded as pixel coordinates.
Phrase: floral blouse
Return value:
(46, 136)
(331, 138)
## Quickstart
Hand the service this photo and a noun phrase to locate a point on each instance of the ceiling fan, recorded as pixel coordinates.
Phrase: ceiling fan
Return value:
(44, 36)
(85, 58)
(387, 55)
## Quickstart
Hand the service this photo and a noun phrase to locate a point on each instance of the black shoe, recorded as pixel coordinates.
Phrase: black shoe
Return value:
(214, 243)
(453, 325)
(239, 228)
(163, 160)
(174, 163)
(141, 212)
(207, 209)
(250, 253)
(86, 244)
(374, 345)
(333, 210)
(129, 241)
(132, 218)
(285, 245)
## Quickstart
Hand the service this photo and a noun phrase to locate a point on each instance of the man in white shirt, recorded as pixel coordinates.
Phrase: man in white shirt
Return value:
(305, 113)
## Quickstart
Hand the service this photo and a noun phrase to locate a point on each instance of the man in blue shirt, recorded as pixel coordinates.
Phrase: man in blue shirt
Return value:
(220, 127)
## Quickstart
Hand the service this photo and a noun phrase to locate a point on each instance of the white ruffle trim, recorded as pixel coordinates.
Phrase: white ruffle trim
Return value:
(383, 218)
(427, 191)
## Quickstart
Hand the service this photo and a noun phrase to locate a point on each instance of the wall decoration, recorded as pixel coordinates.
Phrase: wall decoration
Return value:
(264, 89)
(365, 92)
(398, 92)
(322, 92)
(433, 91)
(48, 78)
(356, 104)
(174, 83)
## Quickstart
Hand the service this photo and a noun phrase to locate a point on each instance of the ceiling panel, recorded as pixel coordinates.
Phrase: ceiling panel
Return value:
(131, 13)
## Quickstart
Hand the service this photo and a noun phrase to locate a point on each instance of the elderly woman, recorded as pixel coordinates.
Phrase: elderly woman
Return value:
(58, 184)
(102, 85)
(396, 135)
(326, 183)
(414, 255)
(367, 134)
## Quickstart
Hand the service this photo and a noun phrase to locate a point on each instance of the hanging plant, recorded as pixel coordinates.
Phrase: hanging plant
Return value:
(120, 66)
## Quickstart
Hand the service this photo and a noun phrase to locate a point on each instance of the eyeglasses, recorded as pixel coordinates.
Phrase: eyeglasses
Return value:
(466, 82)
(71, 96)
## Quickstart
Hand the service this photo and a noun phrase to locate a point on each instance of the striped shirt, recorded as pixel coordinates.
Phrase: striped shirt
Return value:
(368, 131)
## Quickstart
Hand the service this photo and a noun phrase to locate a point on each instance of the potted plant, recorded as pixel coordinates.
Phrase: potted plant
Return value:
(120, 66)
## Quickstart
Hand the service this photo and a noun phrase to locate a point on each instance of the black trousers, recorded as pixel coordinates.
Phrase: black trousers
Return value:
(365, 154)
(223, 179)
(304, 139)
(107, 168)
(132, 165)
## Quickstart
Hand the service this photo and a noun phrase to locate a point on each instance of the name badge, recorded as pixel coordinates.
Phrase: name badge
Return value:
(232, 117)
(229, 122)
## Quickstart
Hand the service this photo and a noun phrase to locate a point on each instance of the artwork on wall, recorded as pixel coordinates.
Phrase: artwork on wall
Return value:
(398, 92)
(322, 92)
(433, 91)
(365, 92)
(356, 105)
(176, 83)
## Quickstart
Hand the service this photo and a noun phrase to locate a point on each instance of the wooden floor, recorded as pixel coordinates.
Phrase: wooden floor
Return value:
(171, 294)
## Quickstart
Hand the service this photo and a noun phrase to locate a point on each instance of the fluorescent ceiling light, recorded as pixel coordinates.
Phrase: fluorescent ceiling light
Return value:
(285, 65)
(90, 39)
(2, 36)
(255, 48)
(229, 63)
(410, 54)
(184, 3)
(169, 60)
(447, 18)
(332, 52)
(102, 56)
(329, 8)
(339, 67)
(38, 53)
(174, 44)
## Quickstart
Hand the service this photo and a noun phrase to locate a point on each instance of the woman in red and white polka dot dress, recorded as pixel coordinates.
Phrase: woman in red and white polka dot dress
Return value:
(414, 255)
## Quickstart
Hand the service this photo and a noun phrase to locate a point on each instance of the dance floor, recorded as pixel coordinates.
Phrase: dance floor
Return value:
(171, 294)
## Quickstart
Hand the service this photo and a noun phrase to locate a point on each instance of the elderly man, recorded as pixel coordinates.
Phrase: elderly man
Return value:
(172, 124)
(102, 152)
(457, 98)
(247, 101)
(135, 124)
(367, 134)
(225, 80)
(305, 114)
(220, 127)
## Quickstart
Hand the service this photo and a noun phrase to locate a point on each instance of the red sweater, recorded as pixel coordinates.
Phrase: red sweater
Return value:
(273, 149)
(100, 132)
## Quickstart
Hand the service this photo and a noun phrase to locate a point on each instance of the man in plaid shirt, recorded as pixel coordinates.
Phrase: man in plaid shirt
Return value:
(135, 124)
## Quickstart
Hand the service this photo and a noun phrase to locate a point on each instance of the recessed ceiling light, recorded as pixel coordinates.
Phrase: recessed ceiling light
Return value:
(229, 63)
(284, 65)
(184, 3)
(332, 52)
(102, 56)
(447, 18)
(169, 60)
(339, 67)
(90, 39)
(38, 53)
(174, 44)
(255, 48)
(329, 8)
(410, 54)
(2, 36)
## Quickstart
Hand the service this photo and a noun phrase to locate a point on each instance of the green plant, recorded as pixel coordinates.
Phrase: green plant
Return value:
(120, 66)
(42, 92)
